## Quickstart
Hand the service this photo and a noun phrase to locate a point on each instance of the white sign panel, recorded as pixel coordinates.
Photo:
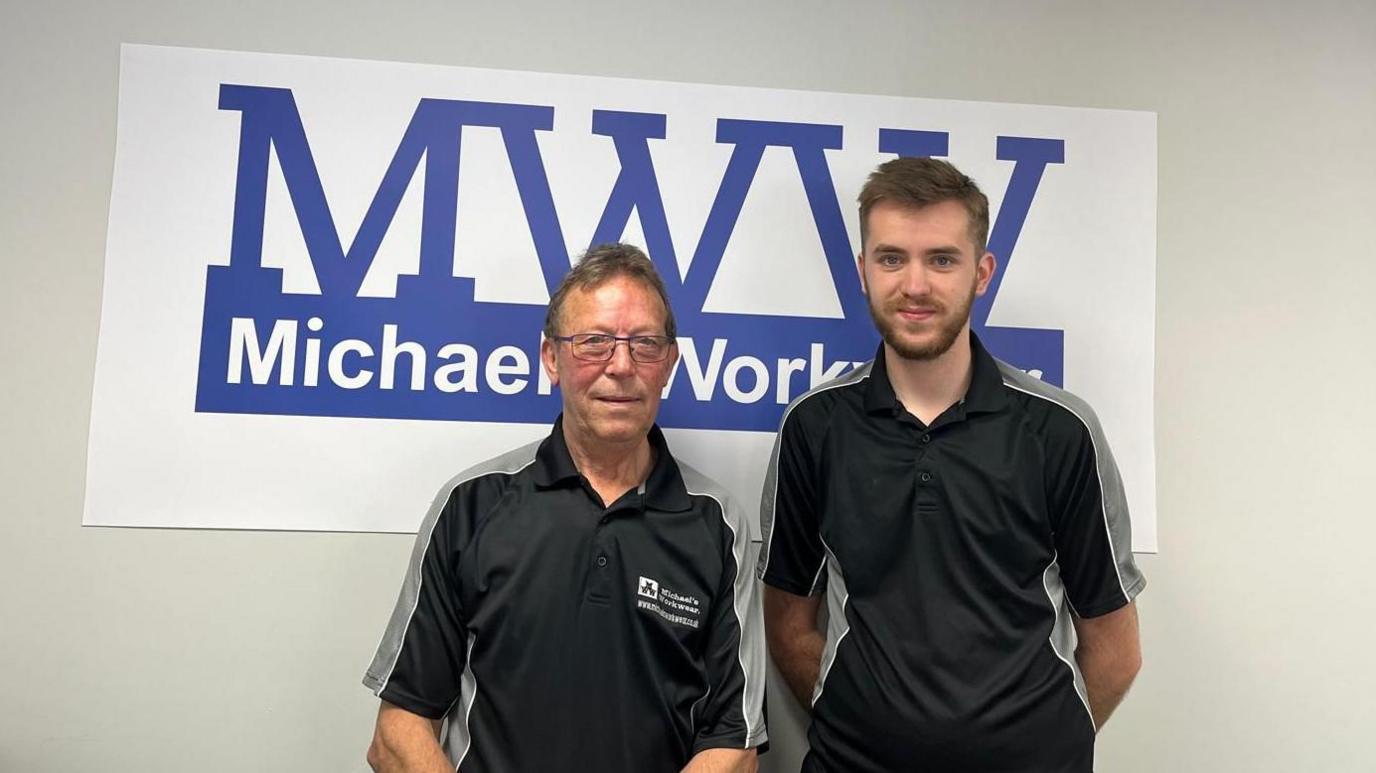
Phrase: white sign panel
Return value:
(326, 279)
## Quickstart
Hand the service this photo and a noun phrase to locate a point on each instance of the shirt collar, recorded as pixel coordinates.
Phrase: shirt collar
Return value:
(662, 490)
(985, 395)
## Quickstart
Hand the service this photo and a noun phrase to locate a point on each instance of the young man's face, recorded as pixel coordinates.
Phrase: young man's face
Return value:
(613, 401)
(921, 274)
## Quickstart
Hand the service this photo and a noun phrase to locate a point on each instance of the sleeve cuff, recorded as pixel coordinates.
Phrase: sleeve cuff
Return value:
(759, 741)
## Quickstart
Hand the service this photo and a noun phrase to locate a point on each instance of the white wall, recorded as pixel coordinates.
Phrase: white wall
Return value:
(162, 650)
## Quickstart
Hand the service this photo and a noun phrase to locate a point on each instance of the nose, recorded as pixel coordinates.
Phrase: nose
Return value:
(916, 280)
(621, 363)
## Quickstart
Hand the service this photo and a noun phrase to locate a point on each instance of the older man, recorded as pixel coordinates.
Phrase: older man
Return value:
(585, 602)
(965, 519)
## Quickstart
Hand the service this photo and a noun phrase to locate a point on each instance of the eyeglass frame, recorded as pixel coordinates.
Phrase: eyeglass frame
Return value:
(616, 340)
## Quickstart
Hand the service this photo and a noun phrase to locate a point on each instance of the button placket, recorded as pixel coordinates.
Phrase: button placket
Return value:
(926, 500)
(599, 584)
(922, 448)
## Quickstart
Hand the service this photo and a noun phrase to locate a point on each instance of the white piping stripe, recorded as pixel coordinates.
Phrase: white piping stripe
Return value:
(834, 614)
(472, 697)
(1075, 677)
(816, 578)
(1103, 492)
(738, 552)
(420, 575)
(846, 380)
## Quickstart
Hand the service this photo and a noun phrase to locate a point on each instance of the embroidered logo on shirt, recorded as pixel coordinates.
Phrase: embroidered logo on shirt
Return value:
(677, 608)
(649, 588)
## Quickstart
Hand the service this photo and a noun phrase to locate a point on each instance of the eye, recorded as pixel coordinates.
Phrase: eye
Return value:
(594, 346)
(889, 259)
(650, 348)
(943, 261)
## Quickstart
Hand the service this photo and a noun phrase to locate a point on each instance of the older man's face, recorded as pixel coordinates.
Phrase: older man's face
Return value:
(616, 401)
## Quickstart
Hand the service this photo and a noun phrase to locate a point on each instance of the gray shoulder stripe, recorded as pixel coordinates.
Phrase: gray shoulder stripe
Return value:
(771, 481)
(459, 738)
(838, 627)
(1062, 636)
(389, 650)
(1118, 531)
(750, 652)
(700, 485)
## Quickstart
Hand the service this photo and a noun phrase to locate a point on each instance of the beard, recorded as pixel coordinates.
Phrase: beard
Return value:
(949, 322)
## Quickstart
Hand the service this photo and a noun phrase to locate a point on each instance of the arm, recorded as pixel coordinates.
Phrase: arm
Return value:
(723, 761)
(404, 742)
(417, 671)
(795, 642)
(792, 564)
(1093, 542)
(1109, 654)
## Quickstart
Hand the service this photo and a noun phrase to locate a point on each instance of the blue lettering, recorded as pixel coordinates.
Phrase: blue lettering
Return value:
(271, 121)
(473, 361)
(808, 143)
(636, 188)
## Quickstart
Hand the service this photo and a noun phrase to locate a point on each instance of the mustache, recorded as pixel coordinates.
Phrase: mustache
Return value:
(903, 305)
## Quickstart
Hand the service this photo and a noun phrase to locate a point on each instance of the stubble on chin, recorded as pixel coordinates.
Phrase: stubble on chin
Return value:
(949, 325)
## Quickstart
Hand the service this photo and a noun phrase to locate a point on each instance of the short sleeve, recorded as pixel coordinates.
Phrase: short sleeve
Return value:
(423, 653)
(732, 713)
(792, 556)
(1089, 514)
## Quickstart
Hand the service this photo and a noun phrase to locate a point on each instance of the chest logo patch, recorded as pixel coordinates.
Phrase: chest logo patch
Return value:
(677, 608)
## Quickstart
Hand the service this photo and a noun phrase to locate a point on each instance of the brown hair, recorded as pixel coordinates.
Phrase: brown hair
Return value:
(601, 264)
(921, 182)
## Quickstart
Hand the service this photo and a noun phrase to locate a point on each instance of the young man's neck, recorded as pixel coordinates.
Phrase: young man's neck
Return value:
(612, 469)
(926, 388)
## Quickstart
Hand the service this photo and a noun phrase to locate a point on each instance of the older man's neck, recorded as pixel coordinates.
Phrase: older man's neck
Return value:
(612, 469)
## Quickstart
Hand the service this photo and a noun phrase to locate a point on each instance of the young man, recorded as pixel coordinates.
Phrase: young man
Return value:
(966, 521)
(583, 603)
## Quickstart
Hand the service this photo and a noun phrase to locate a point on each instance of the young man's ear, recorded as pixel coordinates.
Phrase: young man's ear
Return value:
(984, 272)
(860, 269)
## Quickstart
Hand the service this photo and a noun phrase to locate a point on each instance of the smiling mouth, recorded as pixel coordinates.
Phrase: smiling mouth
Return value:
(924, 313)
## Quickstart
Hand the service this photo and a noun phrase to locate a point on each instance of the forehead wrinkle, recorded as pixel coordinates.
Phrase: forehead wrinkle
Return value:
(604, 318)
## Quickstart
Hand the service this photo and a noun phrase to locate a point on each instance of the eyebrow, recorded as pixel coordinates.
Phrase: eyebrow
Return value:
(948, 249)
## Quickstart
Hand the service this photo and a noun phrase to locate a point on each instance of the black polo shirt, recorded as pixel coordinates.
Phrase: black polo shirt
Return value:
(549, 632)
(953, 556)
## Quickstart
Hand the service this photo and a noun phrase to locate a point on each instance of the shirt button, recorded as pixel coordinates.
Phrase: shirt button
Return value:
(926, 438)
(601, 561)
(926, 477)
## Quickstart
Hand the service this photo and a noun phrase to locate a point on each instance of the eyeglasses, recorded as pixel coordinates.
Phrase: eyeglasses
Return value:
(598, 347)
